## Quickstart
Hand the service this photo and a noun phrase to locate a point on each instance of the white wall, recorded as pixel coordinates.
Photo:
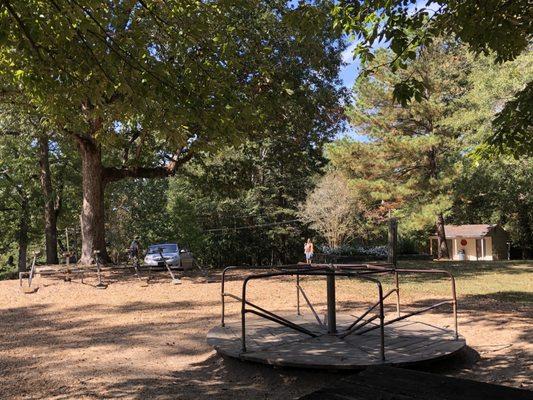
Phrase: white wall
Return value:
(470, 248)
(488, 251)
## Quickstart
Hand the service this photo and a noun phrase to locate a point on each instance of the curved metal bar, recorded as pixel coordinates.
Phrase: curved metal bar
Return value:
(360, 271)
(308, 273)
(385, 268)
(237, 267)
(454, 292)
(397, 284)
(370, 309)
(310, 305)
(407, 315)
(381, 322)
(283, 322)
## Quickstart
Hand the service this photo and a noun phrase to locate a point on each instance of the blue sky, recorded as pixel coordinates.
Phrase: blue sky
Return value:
(348, 75)
(349, 72)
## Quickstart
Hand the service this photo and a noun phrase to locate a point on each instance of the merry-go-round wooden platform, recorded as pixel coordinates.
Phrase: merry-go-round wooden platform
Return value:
(407, 343)
(337, 341)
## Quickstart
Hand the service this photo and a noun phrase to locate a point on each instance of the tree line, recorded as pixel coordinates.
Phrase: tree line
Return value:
(427, 162)
(182, 119)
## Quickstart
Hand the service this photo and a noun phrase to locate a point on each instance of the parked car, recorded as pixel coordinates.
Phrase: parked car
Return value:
(175, 256)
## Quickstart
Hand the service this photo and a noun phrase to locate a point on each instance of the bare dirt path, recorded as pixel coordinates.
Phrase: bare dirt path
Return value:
(133, 340)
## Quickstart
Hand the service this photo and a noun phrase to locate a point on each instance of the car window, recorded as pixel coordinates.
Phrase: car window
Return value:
(167, 248)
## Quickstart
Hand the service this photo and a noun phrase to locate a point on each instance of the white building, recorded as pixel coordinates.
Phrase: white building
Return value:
(474, 242)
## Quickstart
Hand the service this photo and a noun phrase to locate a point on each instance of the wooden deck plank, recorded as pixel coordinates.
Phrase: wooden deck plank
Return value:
(271, 343)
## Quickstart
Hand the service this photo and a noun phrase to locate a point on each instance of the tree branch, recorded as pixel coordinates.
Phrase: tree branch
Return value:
(133, 138)
(10, 133)
(112, 174)
(22, 27)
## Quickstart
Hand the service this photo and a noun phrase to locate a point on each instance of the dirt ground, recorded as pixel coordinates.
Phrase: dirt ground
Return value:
(139, 340)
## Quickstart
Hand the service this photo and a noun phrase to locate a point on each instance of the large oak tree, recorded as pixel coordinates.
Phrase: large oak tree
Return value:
(144, 86)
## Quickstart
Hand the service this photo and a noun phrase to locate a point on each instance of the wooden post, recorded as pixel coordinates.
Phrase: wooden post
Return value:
(393, 241)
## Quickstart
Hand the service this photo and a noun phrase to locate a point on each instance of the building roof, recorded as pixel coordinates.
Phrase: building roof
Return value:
(475, 230)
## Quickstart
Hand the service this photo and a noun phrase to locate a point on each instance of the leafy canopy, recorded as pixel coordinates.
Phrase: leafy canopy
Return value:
(500, 27)
(186, 74)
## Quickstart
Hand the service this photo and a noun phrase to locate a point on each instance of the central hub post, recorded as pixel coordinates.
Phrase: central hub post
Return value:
(332, 314)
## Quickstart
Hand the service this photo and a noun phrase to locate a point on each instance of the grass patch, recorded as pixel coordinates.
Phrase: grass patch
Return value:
(506, 281)
(496, 282)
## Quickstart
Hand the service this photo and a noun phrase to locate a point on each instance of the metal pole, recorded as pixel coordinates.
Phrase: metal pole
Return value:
(298, 295)
(243, 316)
(332, 317)
(381, 322)
(397, 283)
(222, 323)
(32, 270)
(454, 303)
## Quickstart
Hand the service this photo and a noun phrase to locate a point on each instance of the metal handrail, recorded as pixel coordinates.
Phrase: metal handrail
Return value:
(396, 272)
(306, 272)
(347, 270)
(223, 294)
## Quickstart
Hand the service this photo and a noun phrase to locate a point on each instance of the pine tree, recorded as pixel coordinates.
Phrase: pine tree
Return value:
(411, 149)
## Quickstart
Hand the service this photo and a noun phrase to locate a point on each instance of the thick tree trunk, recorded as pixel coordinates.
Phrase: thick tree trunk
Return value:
(92, 212)
(23, 235)
(441, 238)
(94, 177)
(50, 215)
(526, 242)
(442, 251)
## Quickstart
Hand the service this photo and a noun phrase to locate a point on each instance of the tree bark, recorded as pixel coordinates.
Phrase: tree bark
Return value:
(442, 245)
(526, 237)
(441, 238)
(392, 249)
(50, 215)
(94, 179)
(23, 234)
(92, 211)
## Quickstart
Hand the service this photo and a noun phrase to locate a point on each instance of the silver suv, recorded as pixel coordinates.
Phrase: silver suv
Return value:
(173, 255)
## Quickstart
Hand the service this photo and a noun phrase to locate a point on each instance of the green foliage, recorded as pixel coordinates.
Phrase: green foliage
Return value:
(137, 208)
(238, 206)
(514, 125)
(202, 72)
(498, 191)
(241, 205)
(392, 171)
(490, 86)
(498, 27)
(147, 82)
(411, 161)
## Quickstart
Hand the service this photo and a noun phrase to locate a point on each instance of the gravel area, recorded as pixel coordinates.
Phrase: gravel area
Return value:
(139, 340)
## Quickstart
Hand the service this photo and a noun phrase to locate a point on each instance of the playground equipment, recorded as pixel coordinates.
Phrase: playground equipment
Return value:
(100, 284)
(175, 281)
(136, 264)
(30, 274)
(334, 342)
(67, 272)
